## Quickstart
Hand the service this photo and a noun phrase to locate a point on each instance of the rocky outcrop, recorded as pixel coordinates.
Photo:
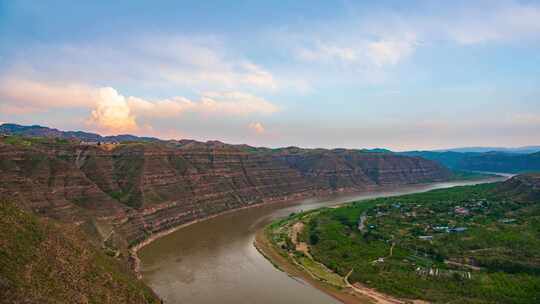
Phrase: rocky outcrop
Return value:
(144, 188)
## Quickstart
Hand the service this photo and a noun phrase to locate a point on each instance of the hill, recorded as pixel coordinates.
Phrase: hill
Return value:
(40, 131)
(509, 160)
(524, 150)
(42, 261)
(142, 188)
(525, 187)
(490, 161)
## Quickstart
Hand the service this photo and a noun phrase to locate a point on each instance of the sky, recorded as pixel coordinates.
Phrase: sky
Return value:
(401, 75)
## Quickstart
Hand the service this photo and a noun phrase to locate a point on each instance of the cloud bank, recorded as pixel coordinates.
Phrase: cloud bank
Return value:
(257, 127)
(112, 112)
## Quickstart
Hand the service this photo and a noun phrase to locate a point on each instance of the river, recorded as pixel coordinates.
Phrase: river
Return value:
(214, 261)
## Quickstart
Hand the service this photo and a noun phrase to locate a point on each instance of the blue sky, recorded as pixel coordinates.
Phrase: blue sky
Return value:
(395, 74)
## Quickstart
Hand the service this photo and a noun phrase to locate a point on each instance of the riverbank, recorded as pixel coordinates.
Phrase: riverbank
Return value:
(133, 251)
(316, 274)
(267, 249)
(378, 263)
(220, 253)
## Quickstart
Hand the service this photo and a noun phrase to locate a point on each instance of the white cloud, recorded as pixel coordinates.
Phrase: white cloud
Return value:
(160, 108)
(327, 52)
(501, 22)
(387, 38)
(390, 51)
(256, 127)
(525, 119)
(211, 103)
(235, 103)
(188, 62)
(256, 75)
(112, 112)
(379, 52)
(30, 96)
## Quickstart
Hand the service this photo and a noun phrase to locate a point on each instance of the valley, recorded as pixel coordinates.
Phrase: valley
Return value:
(269, 152)
(128, 191)
(459, 243)
(129, 196)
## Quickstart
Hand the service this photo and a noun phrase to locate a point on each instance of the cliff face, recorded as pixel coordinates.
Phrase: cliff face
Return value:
(346, 169)
(144, 188)
(45, 180)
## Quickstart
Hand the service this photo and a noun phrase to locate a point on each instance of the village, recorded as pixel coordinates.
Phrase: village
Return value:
(420, 228)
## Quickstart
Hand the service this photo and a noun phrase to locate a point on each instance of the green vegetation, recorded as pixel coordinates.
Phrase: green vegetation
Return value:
(460, 245)
(127, 174)
(45, 262)
(26, 141)
(280, 234)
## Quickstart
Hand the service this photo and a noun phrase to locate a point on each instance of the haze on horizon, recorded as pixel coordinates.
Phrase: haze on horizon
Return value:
(398, 75)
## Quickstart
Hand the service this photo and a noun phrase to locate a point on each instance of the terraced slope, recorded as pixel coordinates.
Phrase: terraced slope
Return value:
(142, 188)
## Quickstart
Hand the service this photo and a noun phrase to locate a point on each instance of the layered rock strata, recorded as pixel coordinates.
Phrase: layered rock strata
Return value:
(140, 189)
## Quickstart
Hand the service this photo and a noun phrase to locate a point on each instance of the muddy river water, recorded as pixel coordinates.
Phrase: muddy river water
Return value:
(214, 261)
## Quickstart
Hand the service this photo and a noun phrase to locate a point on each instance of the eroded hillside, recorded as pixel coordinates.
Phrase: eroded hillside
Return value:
(42, 261)
(132, 190)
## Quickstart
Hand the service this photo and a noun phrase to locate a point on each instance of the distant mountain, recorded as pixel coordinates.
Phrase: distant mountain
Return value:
(40, 131)
(511, 160)
(377, 150)
(488, 161)
(524, 150)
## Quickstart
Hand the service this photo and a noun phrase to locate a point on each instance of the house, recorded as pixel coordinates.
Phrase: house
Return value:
(458, 229)
(441, 228)
(377, 261)
(461, 210)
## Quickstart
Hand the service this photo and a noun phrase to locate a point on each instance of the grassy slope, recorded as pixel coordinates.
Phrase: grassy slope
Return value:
(44, 262)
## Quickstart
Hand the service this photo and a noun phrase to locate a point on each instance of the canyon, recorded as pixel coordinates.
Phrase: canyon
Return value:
(123, 193)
